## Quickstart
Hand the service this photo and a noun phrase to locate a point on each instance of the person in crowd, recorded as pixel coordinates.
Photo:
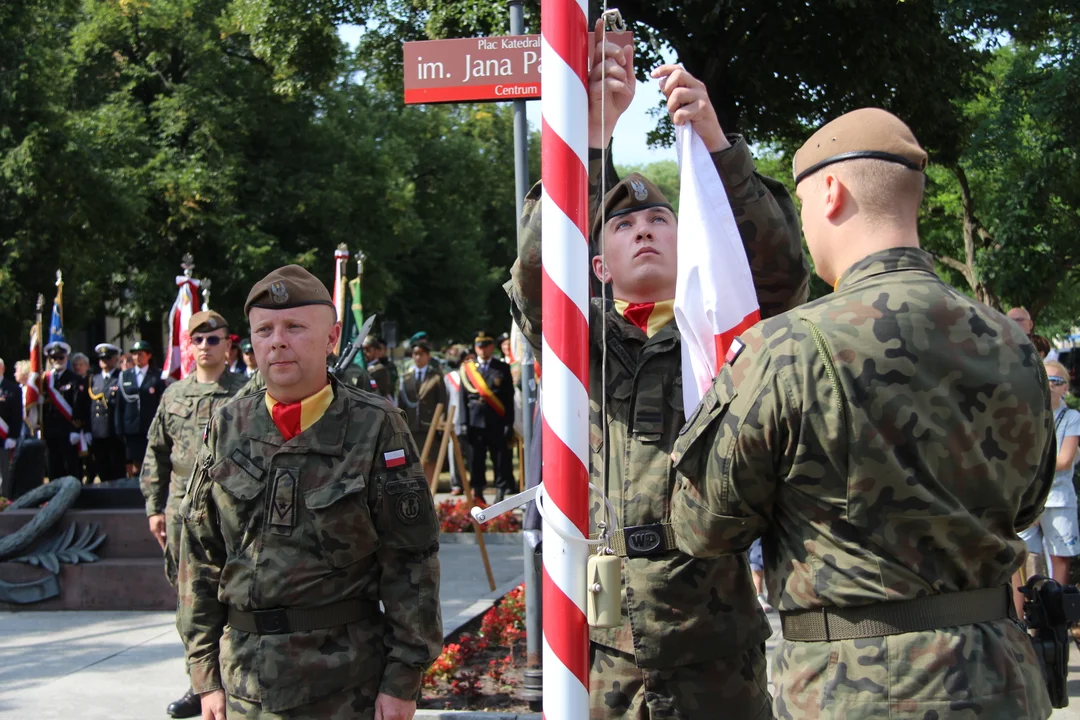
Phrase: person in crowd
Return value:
(140, 393)
(175, 436)
(487, 403)
(65, 415)
(108, 446)
(377, 367)
(690, 649)
(1022, 317)
(886, 442)
(309, 560)
(250, 366)
(237, 363)
(1056, 533)
(11, 419)
(422, 389)
(80, 365)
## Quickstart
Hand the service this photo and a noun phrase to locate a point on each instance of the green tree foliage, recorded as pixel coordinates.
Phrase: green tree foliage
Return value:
(132, 132)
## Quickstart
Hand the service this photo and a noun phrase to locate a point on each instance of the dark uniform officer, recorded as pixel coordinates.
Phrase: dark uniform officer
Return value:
(66, 415)
(141, 388)
(108, 447)
(301, 518)
(886, 442)
(378, 368)
(487, 400)
(422, 389)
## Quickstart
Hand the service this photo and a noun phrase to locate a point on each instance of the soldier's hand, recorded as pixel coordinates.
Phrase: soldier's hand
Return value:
(688, 102)
(157, 528)
(391, 708)
(611, 87)
(213, 705)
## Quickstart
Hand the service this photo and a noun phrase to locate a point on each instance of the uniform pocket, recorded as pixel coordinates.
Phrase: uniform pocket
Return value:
(239, 503)
(342, 520)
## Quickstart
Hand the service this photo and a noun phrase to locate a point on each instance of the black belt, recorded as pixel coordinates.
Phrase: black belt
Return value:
(278, 621)
(643, 540)
(902, 616)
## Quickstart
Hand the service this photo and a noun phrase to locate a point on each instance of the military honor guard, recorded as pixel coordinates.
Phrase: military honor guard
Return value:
(141, 388)
(691, 642)
(65, 421)
(422, 388)
(174, 440)
(378, 368)
(487, 403)
(248, 365)
(309, 571)
(886, 442)
(108, 446)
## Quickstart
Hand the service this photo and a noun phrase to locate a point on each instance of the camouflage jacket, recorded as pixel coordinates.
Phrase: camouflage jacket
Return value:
(309, 522)
(887, 442)
(677, 609)
(175, 435)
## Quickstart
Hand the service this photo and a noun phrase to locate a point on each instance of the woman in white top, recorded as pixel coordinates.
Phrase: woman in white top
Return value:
(1057, 526)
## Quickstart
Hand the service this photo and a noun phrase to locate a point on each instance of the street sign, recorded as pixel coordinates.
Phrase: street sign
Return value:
(478, 69)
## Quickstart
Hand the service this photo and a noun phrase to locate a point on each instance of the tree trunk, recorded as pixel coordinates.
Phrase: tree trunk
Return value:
(975, 237)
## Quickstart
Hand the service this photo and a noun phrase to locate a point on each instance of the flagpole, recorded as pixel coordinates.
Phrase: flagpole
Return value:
(41, 366)
(564, 155)
(341, 256)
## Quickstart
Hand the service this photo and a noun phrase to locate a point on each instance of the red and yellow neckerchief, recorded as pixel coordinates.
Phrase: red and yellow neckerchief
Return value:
(651, 317)
(292, 419)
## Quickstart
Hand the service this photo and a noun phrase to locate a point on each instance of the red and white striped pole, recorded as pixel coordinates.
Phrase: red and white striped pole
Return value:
(564, 154)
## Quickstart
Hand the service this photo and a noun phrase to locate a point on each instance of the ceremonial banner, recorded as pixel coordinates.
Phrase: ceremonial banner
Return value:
(31, 391)
(714, 293)
(179, 356)
(56, 324)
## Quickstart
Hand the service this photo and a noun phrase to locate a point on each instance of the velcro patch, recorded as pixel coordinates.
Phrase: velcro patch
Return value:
(396, 487)
(737, 346)
(409, 507)
(283, 502)
(394, 458)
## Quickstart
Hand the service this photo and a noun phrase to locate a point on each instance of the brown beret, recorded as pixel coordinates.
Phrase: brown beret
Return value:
(633, 193)
(288, 287)
(869, 133)
(206, 321)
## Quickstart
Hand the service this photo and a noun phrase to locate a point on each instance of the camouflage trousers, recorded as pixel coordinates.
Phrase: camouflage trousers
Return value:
(173, 526)
(620, 689)
(356, 703)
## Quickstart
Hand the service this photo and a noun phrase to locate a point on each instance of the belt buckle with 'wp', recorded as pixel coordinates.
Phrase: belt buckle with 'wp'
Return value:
(643, 540)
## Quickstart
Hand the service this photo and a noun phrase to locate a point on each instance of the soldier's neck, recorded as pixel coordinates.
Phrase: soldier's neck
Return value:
(208, 375)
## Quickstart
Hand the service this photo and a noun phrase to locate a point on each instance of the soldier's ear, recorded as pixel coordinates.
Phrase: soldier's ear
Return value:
(600, 270)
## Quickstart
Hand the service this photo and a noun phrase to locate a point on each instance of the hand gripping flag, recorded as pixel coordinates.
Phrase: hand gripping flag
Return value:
(714, 293)
(180, 356)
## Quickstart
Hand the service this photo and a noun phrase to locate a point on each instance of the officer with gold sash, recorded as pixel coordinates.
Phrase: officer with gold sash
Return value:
(487, 397)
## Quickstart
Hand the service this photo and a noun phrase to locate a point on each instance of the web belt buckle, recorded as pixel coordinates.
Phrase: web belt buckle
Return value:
(643, 540)
(271, 622)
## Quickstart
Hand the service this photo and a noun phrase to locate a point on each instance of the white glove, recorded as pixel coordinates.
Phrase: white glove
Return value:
(88, 439)
(73, 438)
(9, 444)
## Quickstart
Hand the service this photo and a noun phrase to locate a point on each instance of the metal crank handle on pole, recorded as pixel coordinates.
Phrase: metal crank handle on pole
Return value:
(482, 515)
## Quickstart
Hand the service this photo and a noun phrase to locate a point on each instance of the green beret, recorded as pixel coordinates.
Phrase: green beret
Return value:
(287, 287)
(206, 321)
(141, 345)
(633, 193)
(866, 134)
(245, 346)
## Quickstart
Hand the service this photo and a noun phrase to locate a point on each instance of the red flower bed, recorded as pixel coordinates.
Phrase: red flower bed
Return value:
(486, 662)
(454, 518)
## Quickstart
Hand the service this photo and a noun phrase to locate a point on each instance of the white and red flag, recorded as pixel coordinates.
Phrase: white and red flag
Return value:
(32, 390)
(180, 356)
(714, 294)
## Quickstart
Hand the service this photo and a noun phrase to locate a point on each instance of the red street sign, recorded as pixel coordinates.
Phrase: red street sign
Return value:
(478, 69)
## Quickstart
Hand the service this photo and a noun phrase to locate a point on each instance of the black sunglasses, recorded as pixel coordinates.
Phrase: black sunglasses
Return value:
(211, 340)
(1057, 381)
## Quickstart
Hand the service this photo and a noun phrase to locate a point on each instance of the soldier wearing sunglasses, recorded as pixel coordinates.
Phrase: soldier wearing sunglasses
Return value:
(174, 440)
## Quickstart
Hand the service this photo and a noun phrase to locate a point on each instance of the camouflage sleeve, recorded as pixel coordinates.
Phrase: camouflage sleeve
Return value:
(157, 464)
(408, 557)
(200, 617)
(254, 384)
(525, 277)
(1034, 498)
(770, 230)
(733, 452)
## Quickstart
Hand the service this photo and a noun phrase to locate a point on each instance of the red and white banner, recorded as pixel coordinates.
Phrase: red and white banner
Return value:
(341, 256)
(5, 431)
(59, 402)
(31, 391)
(714, 294)
(180, 356)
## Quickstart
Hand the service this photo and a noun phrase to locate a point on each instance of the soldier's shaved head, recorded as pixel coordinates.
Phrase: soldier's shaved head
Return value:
(291, 347)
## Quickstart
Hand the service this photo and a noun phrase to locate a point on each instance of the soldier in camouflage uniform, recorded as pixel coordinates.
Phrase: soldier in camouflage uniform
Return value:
(174, 438)
(307, 508)
(691, 644)
(887, 442)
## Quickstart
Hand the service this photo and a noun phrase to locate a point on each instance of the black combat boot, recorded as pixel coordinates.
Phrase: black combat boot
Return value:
(190, 705)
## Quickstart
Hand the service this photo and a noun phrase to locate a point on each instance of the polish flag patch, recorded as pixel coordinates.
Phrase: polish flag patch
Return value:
(394, 458)
(733, 351)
